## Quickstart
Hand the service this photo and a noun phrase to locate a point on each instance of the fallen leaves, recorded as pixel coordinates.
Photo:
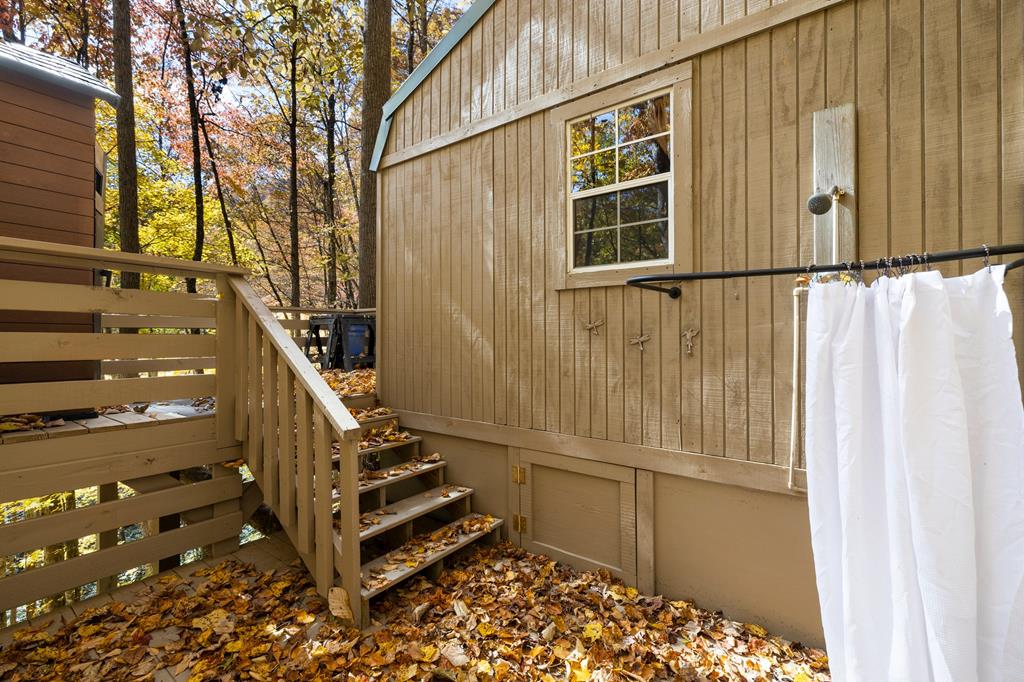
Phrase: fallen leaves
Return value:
(347, 384)
(382, 435)
(28, 422)
(499, 614)
(368, 413)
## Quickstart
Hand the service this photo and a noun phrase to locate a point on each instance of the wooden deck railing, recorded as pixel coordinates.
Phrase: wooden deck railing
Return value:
(272, 408)
(288, 422)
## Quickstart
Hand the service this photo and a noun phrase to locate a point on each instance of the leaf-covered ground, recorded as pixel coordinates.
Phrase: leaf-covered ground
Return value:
(499, 614)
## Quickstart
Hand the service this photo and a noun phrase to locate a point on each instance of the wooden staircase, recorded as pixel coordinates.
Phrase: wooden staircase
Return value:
(364, 507)
(410, 519)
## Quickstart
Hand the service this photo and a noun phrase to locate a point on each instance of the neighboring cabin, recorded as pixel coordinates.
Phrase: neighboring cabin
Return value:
(507, 338)
(51, 184)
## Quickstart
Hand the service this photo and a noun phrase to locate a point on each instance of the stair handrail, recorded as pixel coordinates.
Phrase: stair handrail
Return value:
(330, 417)
(341, 419)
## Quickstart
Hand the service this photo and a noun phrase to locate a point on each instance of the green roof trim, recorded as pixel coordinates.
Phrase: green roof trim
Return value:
(463, 26)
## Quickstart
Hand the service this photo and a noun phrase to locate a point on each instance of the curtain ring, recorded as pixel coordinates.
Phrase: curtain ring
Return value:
(925, 259)
(988, 265)
(860, 274)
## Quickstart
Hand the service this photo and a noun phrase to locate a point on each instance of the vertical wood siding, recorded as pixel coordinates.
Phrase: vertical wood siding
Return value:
(472, 325)
(522, 49)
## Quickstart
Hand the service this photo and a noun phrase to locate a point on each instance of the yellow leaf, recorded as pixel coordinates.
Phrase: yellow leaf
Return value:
(429, 653)
(486, 629)
(233, 647)
(581, 675)
(756, 629)
(304, 617)
(802, 677)
(484, 667)
(593, 630)
(88, 630)
(632, 592)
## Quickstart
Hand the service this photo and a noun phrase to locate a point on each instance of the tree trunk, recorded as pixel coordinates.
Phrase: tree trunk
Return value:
(220, 192)
(293, 175)
(410, 43)
(83, 53)
(127, 169)
(424, 18)
(332, 237)
(376, 90)
(197, 159)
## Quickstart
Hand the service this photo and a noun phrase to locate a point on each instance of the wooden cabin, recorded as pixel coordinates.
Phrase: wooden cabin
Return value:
(51, 183)
(547, 151)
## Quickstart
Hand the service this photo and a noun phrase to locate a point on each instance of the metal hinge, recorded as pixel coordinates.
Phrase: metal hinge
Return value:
(518, 523)
(519, 475)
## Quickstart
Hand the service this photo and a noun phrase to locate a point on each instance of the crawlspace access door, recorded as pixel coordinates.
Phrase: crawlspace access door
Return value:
(577, 511)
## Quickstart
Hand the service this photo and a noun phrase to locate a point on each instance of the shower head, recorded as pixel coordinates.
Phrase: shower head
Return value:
(821, 203)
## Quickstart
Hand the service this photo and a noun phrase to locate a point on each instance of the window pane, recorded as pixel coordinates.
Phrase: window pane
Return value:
(596, 211)
(648, 241)
(643, 119)
(649, 202)
(595, 248)
(593, 133)
(595, 170)
(643, 159)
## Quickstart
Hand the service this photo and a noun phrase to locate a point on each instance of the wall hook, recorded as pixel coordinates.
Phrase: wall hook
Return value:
(593, 327)
(689, 334)
(640, 340)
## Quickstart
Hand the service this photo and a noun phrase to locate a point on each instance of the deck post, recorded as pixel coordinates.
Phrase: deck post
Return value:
(349, 563)
(227, 364)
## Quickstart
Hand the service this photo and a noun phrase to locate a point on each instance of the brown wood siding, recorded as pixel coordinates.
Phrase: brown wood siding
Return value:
(472, 325)
(47, 189)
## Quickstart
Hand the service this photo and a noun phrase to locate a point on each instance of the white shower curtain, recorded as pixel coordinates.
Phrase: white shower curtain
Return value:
(915, 477)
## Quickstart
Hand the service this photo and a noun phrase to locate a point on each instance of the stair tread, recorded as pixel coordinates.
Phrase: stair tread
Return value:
(390, 569)
(405, 510)
(405, 471)
(389, 446)
(377, 418)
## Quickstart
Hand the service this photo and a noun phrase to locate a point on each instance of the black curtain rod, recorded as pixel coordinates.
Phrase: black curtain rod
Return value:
(651, 282)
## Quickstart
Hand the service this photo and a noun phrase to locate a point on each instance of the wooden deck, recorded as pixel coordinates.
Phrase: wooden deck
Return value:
(110, 421)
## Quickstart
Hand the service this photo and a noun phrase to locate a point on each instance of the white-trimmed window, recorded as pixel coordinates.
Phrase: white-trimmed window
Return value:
(623, 161)
(620, 184)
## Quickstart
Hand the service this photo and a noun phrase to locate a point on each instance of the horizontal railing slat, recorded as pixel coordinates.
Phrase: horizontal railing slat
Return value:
(127, 321)
(43, 346)
(37, 481)
(47, 396)
(43, 531)
(79, 298)
(50, 253)
(35, 583)
(163, 365)
(40, 453)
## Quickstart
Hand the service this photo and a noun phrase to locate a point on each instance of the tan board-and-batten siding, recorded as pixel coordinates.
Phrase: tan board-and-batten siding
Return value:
(472, 324)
